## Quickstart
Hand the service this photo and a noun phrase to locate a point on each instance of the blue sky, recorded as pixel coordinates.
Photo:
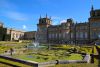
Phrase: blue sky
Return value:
(24, 14)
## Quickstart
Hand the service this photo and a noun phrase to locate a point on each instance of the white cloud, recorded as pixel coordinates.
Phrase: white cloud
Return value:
(6, 10)
(7, 4)
(16, 16)
(24, 27)
(55, 18)
(62, 21)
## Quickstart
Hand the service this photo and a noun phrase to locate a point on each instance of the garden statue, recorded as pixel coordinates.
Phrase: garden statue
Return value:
(11, 51)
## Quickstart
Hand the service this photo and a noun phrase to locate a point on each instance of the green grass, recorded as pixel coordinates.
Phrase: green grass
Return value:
(76, 65)
(98, 46)
(75, 57)
(4, 65)
(48, 55)
(85, 49)
(45, 54)
(95, 51)
(5, 45)
(14, 63)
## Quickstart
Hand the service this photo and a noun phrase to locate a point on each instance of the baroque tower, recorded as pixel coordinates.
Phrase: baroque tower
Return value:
(42, 29)
(94, 24)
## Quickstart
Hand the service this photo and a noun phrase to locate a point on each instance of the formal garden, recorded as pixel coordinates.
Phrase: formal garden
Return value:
(45, 53)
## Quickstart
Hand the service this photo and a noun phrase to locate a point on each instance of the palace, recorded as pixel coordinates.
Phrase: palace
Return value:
(10, 34)
(69, 32)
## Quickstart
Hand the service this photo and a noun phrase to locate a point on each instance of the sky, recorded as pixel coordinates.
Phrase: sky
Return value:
(24, 14)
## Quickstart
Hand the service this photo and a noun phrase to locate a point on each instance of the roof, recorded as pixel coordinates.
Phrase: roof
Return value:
(54, 26)
(81, 24)
(98, 10)
(15, 29)
(30, 32)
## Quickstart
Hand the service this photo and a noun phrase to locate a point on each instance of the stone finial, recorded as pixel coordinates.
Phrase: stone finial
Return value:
(46, 15)
(92, 8)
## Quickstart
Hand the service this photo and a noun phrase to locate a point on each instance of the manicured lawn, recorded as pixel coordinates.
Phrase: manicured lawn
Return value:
(85, 49)
(75, 57)
(5, 45)
(4, 65)
(76, 65)
(44, 55)
(13, 63)
(98, 46)
(44, 58)
(95, 51)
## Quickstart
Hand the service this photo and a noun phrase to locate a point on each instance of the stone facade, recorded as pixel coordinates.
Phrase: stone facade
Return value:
(29, 35)
(69, 31)
(66, 32)
(60, 33)
(9, 34)
(16, 34)
(3, 34)
(42, 33)
(81, 32)
(94, 22)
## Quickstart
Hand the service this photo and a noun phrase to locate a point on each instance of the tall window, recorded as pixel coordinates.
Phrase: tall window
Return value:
(52, 35)
(94, 35)
(99, 35)
(85, 34)
(55, 35)
(77, 34)
(81, 35)
(63, 35)
(59, 35)
(71, 35)
(49, 35)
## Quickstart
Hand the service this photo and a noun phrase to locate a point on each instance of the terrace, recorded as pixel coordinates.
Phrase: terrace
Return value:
(42, 55)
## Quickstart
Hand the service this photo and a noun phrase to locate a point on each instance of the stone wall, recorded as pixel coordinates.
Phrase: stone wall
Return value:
(20, 61)
(50, 63)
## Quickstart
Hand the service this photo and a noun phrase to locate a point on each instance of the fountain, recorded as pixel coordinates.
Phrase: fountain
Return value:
(36, 44)
(33, 45)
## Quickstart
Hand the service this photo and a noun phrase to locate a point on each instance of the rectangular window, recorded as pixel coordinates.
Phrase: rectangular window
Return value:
(85, 34)
(49, 35)
(59, 35)
(56, 35)
(77, 34)
(71, 35)
(81, 35)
